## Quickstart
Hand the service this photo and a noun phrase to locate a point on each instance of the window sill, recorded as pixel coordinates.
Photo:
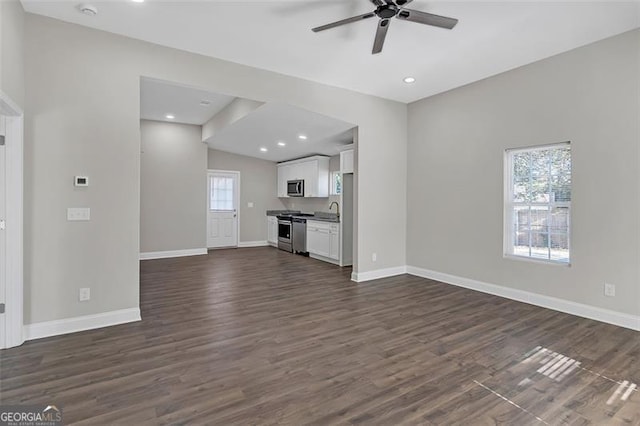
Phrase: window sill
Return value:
(539, 261)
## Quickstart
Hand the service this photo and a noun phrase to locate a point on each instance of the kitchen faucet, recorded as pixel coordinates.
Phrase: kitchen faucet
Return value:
(337, 208)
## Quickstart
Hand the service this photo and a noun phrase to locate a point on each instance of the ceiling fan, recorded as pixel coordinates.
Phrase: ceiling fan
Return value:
(387, 9)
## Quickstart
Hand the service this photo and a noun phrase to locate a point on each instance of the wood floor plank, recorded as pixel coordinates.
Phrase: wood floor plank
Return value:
(260, 336)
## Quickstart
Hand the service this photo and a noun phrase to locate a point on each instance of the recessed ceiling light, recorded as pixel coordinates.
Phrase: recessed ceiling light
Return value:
(282, 144)
(409, 80)
(138, 1)
(302, 137)
(263, 149)
(205, 103)
(170, 116)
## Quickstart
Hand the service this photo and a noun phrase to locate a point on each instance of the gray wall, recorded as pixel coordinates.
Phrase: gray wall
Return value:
(173, 187)
(588, 96)
(11, 50)
(258, 184)
(83, 116)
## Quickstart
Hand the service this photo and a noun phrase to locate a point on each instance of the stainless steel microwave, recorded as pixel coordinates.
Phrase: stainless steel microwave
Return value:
(295, 188)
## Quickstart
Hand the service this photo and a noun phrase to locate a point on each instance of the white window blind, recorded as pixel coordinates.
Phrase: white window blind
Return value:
(538, 202)
(221, 196)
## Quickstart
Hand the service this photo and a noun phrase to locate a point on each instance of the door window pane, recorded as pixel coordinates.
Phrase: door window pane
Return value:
(221, 195)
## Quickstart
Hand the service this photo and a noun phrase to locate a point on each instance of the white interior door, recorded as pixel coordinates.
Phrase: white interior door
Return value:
(222, 209)
(3, 234)
(11, 215)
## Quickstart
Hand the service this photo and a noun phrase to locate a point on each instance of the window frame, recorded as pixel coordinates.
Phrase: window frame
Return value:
(509, 206)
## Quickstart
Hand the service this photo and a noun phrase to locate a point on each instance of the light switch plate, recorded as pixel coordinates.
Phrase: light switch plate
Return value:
(84, 294)
(609, 290)
(250, 204)
(78, 214)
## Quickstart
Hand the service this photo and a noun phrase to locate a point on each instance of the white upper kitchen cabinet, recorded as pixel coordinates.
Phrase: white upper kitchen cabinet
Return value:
(313, 170)
(283, 177)
(346, 161)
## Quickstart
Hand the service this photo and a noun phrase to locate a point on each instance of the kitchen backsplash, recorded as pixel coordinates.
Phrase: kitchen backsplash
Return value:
(310, 205)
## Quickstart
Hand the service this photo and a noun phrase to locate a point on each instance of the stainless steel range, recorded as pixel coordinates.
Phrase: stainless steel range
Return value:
(292, 232)
(285, 233)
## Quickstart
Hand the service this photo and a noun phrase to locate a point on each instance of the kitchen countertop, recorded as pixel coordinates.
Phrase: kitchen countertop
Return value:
(277, 212)
(323, 219)
(319, 216)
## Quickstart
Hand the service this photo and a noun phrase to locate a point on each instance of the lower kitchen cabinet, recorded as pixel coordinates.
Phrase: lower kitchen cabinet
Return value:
(272, 230)
(323, 239)
(334, 243)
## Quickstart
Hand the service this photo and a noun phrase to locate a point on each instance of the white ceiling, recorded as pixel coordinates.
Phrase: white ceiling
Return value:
(277, 122)
(159, 99)
(491, 37)
(265, 127)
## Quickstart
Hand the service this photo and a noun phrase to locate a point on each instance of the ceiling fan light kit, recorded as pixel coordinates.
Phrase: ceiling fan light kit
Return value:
(388, 9)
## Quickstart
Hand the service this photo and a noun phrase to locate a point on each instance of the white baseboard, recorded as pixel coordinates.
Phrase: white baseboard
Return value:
(573, 308)
(360, 277)
(172, 253)
(243, 244)
(73, 325)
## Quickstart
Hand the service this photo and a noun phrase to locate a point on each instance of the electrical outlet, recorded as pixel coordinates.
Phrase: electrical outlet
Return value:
(374, 257)
(250, 204)
(609, 290)
(84, 294)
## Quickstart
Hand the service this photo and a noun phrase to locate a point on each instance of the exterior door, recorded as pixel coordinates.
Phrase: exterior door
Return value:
(222, 209)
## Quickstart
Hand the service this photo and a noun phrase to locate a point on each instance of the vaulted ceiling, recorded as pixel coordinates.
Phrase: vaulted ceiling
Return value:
(491, 37)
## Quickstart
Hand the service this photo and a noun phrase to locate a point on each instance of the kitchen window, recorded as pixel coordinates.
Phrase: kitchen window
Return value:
(336, 183)
(538, 203)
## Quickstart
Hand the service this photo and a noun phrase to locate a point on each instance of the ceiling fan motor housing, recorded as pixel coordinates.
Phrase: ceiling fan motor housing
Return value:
(387, 11)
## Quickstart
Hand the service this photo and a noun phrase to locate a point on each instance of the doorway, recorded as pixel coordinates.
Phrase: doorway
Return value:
(11, 223)
(3, 237)
(223, 196)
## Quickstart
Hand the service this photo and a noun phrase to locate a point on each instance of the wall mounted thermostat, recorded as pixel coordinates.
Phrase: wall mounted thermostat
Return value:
(81, 181)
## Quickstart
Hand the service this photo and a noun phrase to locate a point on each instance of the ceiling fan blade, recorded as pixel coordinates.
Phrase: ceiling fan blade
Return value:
(377, 2)
(344, 22)
(402, 3)
(427, 18)
(381, 34)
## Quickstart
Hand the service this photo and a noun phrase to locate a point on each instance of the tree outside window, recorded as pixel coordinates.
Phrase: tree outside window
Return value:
(538, 203)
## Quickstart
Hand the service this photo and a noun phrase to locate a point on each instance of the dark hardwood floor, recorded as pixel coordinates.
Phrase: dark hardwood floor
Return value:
(260, 336)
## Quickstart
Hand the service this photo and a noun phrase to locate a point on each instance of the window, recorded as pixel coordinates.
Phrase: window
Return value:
(221, 196)
(538, 202)
(336, 183)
